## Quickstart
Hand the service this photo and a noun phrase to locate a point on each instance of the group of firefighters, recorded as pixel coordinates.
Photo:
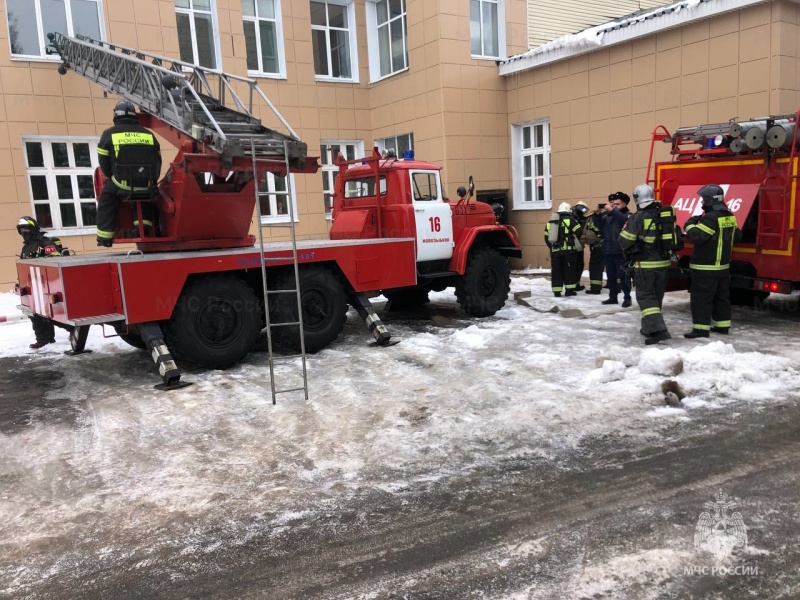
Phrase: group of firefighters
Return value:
(635, 249)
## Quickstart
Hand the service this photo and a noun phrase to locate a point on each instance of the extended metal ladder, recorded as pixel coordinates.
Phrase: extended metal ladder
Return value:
(268, 293)
(184, 96)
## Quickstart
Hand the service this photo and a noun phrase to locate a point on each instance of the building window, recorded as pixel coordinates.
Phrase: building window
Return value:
(398, 143)
(487, 28)
(60, 177)
(29, 22)
(387, 27)
(263, 37)
(329, 150)
(197, 37)
(273, 200)
(531, 164)
(333, 36)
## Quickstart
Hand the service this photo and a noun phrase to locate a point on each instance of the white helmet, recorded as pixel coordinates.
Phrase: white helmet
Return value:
(564, 207)
(643, 196)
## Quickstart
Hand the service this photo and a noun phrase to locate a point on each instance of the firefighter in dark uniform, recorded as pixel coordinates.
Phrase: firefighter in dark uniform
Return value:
(640, 240)
(593, 234)
(581, 214)
(122, 146)
(713, 234)
(36, 245)
(561, 236)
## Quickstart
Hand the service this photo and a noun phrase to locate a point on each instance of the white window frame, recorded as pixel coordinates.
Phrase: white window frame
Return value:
(50, 171)
(518, 154)
(330, 169)
(381, 142)
(373, 43)
(274, 218)
(214, 25)
(43, 56)
(501, 31)
(350, 5)
(281, 74)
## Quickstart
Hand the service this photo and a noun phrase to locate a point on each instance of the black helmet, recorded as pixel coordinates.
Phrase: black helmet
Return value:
(124, 110)
(711, 194)
(28, 222)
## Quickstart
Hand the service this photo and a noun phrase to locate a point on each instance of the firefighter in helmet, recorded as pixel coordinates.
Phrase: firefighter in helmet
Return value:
(581, 214)
(36, 245)
(641, 242)
(713, 233)
(561, 236)
(130, 158)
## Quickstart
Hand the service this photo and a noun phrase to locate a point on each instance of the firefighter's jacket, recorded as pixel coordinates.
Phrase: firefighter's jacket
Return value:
(37, 245)
(569, 231)
(640, 240)
(138, 144)
(713, 235)
(592, 234)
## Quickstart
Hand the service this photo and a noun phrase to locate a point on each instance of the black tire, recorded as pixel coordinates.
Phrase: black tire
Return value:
(324, 308)
(484, 287)
(745, 297)
(130, 338)
(216, 322)
(408, 298)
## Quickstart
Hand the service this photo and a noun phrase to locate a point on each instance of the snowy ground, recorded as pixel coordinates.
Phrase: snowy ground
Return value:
(104, 472)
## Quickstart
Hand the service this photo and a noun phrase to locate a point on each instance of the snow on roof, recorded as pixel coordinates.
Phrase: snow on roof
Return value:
(618, 31)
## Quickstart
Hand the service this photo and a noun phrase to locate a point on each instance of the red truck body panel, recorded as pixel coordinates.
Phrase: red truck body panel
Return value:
(143, 288)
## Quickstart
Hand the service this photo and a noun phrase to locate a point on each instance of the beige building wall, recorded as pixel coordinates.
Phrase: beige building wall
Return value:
(603, 106)
(427, 100)
(550, 19)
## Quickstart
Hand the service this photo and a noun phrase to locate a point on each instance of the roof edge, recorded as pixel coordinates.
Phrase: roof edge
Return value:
(619, 31)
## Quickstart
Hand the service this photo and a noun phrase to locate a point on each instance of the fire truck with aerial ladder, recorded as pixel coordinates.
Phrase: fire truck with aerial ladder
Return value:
(756, 163)
(199, 290)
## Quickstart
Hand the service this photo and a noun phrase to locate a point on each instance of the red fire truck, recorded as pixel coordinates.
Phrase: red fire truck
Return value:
(199, 289)
(756, 163)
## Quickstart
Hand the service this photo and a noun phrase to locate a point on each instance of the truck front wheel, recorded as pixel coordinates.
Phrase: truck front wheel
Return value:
(324, 308)
(484, 287)
(216, 322)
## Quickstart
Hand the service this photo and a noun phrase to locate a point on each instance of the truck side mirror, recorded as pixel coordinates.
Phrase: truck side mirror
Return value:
(471, 186)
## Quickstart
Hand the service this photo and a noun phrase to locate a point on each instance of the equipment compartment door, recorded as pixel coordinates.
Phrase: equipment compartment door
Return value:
(434, 220)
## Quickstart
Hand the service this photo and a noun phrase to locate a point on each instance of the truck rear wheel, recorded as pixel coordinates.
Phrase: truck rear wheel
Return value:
(484, 287)
(216, 322)
(130, 338)
(324, 308)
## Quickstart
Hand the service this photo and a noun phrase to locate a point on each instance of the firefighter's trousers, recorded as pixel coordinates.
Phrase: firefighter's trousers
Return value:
(650, 287)
(711, 298)
(108, 208)
(563, 271)
(597, 264)
(617, 279)
(44, 329)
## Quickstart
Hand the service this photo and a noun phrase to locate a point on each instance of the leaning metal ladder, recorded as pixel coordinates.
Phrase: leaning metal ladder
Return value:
(273, 359)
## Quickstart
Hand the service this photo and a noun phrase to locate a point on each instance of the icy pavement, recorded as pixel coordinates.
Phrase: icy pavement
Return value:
(131, 470)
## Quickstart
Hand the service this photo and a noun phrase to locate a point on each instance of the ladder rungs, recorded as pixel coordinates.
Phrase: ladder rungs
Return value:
(297, 389)
(287, 357)
(281, 291)
(271, 325)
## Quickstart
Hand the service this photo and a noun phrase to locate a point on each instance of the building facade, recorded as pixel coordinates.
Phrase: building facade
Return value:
(581, 114)
(345, 74)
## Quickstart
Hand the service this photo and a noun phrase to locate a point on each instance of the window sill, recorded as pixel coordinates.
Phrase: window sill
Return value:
(534, 206)
(72, 231)
(491, 58)
(37, 59)
(260, 75)
(277, 221)
(324, 79)
(388, 76)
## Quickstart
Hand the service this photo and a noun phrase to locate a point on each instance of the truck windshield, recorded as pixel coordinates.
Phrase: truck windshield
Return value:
(363, 187)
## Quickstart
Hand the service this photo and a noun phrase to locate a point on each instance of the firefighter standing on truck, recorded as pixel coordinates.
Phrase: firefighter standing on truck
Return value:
(561, 236)
(713, 233)
(643, 244)
(130, 158)
(36, 245)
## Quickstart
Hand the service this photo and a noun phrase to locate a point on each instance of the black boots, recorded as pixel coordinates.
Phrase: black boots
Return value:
(611, 300)
(722, 330)
(626, 303)
(696, 333)
(594, 292)
(38, 345)
(658, 336)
